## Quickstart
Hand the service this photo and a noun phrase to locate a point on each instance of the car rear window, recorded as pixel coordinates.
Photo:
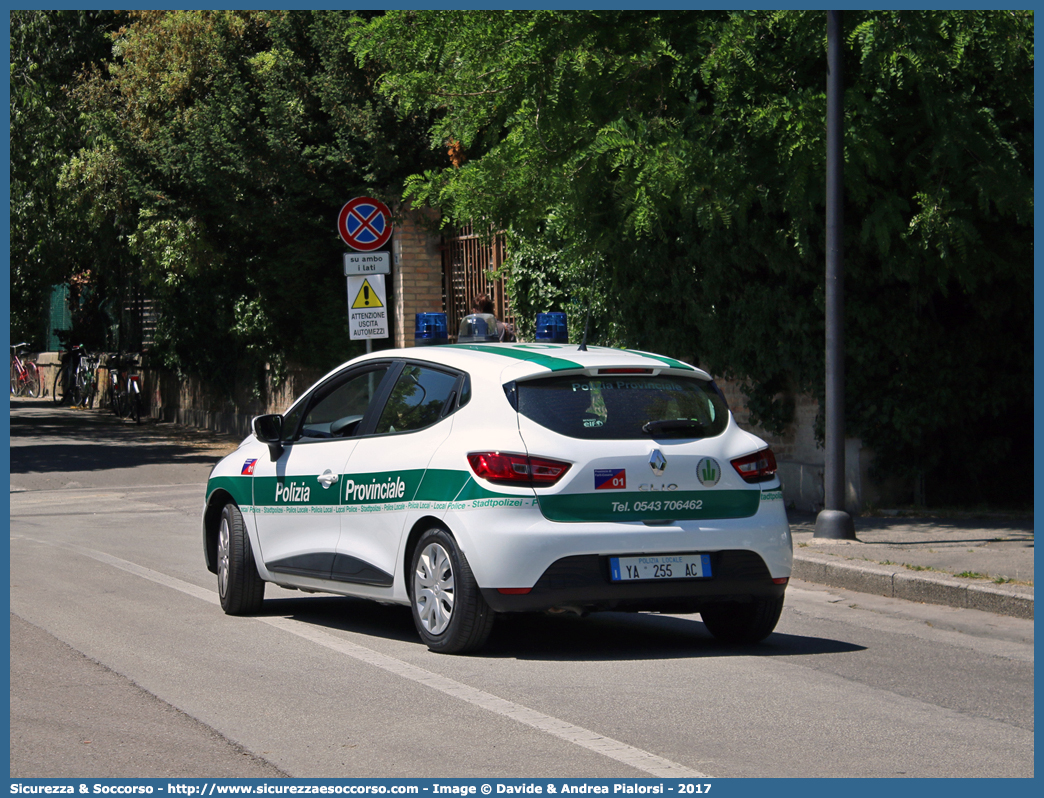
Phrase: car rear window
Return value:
(625, 407)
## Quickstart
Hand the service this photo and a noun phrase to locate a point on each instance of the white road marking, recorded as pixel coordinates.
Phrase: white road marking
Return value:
(585, 738)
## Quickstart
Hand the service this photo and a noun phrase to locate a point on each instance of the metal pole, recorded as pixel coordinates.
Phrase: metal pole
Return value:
(833, 522)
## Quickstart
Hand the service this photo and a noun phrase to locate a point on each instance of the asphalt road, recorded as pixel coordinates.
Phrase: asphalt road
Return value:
(123, 665)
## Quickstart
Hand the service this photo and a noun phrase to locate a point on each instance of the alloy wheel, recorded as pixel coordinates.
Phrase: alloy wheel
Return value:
(433, 590)
(222, 557)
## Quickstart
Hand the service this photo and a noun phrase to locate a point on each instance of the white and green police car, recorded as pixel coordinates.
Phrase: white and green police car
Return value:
(470, 480)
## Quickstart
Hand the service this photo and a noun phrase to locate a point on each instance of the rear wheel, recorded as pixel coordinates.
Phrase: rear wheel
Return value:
(33, 385)
(240, 589)
(742, 623)
(114, 397)
(119, 401)
(58, 388)
(449, 612)
(135, 407)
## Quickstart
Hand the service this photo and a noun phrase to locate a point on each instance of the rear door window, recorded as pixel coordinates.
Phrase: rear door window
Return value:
(420, 397)
(625, 406)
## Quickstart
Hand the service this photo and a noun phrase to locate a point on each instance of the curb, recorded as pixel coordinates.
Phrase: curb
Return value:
(884, 580)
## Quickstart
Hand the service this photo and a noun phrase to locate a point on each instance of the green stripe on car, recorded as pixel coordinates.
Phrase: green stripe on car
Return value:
(520, 353)
(441, 489)
(670, 361)
(295, 491)
(238, 487)
(441, 485)
(693, 505)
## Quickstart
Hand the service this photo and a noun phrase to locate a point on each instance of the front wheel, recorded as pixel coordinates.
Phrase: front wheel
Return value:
(84, 394)
(449, 612)
(240, 589)
(751, 622)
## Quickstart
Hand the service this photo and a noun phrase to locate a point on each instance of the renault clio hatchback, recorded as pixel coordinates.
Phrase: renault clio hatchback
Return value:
(470, 480)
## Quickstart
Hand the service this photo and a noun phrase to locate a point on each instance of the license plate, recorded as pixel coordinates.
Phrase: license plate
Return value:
(660, 566)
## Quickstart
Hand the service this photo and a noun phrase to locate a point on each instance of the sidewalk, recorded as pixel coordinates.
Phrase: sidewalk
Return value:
(978, 563)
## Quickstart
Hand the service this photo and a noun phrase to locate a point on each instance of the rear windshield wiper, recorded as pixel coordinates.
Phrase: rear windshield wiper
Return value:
(681, 427)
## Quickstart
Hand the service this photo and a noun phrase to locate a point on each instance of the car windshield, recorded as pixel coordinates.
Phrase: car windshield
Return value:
(625, 406)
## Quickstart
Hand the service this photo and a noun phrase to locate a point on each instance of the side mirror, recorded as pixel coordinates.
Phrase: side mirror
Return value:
(269, 429)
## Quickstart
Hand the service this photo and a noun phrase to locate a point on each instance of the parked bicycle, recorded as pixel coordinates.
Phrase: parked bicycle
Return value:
(86, 380)
(126, 397)
(65, 376)
(25, 377)
(64, 388)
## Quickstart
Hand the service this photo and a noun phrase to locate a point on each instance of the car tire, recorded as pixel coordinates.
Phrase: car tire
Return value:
(738, 623)
(240, 588)
(448, 610)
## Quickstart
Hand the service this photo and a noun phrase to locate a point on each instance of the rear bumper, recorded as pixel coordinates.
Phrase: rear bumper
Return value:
(583, 583)
(516, 547)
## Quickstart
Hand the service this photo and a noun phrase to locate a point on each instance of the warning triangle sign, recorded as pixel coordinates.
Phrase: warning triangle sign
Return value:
(367, 298)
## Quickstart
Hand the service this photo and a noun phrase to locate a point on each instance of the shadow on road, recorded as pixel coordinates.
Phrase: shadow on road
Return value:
(66, 458)
(67, 440)
(602, 636)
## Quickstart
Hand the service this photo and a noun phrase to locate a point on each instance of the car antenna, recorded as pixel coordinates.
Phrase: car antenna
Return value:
(587, 316)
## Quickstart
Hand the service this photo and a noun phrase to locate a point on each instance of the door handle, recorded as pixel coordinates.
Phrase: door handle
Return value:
(327, 478)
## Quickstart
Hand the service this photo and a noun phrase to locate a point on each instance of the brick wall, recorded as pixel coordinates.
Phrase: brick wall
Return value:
(416, 279)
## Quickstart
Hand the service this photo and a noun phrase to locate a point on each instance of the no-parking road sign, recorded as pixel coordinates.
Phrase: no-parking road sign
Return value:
(364, 224)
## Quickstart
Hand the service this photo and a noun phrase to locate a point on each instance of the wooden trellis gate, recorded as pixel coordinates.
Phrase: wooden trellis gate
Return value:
(467, 261)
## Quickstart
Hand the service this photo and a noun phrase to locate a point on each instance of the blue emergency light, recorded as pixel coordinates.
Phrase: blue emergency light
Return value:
(478, 328)
(430, 329)
(551, 328)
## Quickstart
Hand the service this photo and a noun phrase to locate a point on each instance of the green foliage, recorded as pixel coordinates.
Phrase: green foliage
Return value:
(47, 241)
(222, 144)
(663, 168)
(669, 167)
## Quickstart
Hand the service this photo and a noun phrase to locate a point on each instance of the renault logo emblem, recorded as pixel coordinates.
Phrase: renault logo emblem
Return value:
(657, 462)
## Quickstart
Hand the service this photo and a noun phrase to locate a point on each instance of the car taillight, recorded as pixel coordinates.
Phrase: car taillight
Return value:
(517, 469)
(756, 467)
